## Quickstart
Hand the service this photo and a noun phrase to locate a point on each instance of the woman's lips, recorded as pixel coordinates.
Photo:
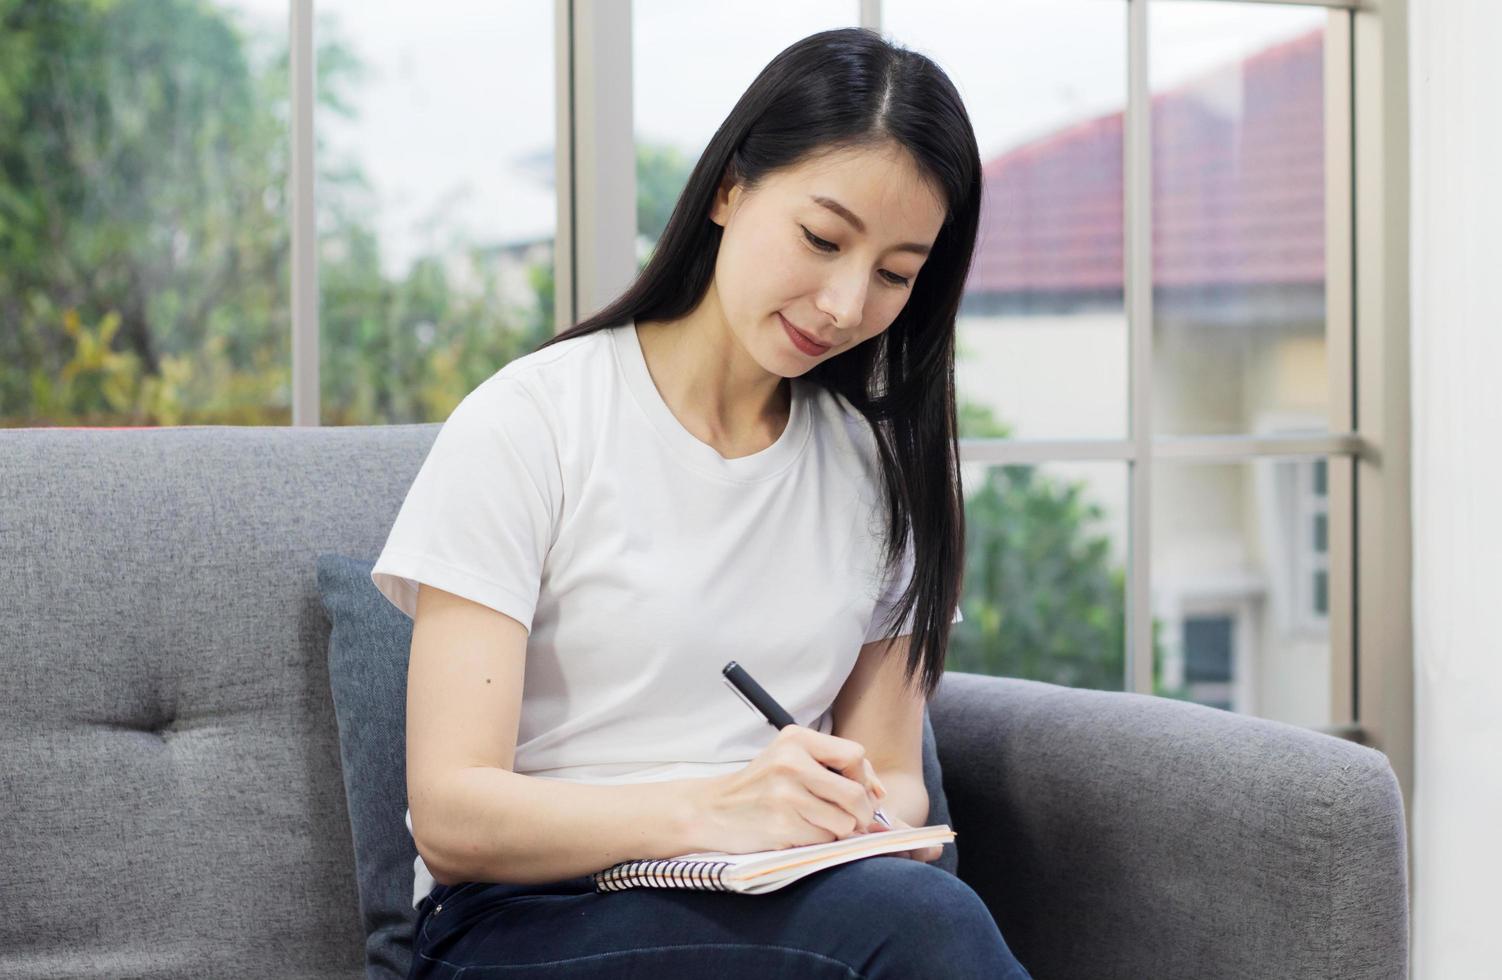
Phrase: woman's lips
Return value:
(802, 341)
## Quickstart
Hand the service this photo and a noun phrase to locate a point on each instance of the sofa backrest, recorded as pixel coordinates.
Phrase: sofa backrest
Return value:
(169, 758)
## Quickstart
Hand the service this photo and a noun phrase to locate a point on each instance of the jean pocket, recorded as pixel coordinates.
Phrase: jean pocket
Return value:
(442, 908)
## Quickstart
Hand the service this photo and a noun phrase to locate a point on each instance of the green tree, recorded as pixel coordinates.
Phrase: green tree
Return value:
(661, 174)
(144, 246)
(142, 170)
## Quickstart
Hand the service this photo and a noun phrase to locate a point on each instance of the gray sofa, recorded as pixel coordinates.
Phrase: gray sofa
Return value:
(172, 790)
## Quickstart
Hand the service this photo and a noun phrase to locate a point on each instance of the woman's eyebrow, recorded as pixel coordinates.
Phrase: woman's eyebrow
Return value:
(860, 226)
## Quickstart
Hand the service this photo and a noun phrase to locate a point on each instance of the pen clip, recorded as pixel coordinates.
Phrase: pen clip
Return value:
(744, 700)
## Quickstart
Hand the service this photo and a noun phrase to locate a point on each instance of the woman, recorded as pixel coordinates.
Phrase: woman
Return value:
(751, 455)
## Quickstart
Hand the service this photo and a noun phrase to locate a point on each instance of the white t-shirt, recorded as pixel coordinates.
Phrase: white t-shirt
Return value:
(563, 492)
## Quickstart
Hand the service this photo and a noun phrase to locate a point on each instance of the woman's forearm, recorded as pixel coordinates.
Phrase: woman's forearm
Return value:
(907, 796)
(496, 825)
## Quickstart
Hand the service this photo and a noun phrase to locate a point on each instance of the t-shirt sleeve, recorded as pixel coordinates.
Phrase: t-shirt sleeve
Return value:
(483, 509)
(892, 597)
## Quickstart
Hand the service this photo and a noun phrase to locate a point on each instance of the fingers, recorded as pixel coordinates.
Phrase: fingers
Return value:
(846, 756)
(836, 770)
(833, 751)
(850, 796)
(828, 817)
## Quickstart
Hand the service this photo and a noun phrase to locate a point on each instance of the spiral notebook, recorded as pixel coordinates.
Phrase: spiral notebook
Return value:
(762, 871)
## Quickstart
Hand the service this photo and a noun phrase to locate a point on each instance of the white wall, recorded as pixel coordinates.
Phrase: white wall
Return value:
(1455, 79)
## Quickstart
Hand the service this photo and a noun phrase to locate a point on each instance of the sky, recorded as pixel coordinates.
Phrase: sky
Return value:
(456, 117)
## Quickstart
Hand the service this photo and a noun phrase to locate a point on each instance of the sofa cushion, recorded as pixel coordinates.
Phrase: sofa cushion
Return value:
(369, 644)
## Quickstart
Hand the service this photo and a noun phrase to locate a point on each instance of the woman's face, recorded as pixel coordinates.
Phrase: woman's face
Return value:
(826, 247)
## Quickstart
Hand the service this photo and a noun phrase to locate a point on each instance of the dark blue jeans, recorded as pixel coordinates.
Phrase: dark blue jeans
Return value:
(876, 917)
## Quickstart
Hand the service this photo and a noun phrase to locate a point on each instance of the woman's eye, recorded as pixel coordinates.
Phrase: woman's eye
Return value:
(817, 242)
(824, 246)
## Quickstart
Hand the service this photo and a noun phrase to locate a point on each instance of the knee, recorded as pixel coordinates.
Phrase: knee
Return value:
(939, 927)
(920, 892)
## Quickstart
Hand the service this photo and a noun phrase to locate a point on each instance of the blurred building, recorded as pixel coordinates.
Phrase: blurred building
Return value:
(1239, 550)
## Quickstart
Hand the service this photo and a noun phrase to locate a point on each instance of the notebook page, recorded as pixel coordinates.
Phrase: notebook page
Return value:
(795, 865)
(782, 856)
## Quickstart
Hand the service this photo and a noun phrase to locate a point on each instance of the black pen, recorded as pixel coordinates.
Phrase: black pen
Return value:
(776, 714)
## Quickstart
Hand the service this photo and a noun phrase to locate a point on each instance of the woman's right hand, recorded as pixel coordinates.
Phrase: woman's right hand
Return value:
(787, 797)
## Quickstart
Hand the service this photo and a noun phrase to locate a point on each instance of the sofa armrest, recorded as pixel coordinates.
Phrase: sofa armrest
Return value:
(1125, 835)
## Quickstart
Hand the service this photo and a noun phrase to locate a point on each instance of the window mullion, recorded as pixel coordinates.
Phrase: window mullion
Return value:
(1137, 279)
(304, 230)
(600, 215)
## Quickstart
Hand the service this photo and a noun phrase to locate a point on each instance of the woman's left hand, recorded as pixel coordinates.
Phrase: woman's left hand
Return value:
(929, 853)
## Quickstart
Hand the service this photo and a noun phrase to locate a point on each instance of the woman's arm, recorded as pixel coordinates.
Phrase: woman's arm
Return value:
(473, 817)
(907, 796)
(498, 825)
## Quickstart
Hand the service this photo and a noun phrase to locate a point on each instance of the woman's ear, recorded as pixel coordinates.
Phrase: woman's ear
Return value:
(725, 198)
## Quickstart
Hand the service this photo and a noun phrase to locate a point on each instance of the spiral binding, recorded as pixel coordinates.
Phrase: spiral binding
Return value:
(663, 873)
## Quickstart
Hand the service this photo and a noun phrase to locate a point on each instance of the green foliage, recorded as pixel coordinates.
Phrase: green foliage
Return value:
(661, 173)
(144, 199)
(140, 190)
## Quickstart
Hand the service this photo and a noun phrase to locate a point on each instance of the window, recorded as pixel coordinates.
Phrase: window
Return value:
(1233, 104)
(1313, 530)
(1166, 264)
(144, 214)
(435, 201)
(1210, 659)
(1045, 86)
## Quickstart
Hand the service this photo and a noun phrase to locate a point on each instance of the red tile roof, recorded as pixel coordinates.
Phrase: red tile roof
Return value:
(1238, 187)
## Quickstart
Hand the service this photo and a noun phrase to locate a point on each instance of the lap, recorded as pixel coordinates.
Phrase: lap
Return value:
(873, 917)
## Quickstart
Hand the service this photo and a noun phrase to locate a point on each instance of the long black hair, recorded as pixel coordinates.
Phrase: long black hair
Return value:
(837, 90)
